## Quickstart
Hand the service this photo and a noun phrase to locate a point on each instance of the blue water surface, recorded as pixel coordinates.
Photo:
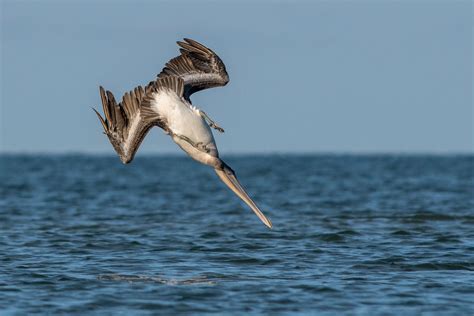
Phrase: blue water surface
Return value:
(364, 235)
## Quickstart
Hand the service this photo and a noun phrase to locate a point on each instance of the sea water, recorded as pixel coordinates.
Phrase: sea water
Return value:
(377, 234)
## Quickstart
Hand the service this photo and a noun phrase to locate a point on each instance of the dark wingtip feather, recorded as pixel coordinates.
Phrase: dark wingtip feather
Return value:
(105, 104)
(197, 65)
(104, 124)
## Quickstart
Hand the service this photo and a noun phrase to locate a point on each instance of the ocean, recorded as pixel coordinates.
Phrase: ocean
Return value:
(353, 235)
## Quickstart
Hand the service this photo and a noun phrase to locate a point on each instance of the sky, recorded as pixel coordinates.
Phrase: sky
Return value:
(306, 76)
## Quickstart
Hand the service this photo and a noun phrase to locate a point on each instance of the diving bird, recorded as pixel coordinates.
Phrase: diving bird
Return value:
(165, 102)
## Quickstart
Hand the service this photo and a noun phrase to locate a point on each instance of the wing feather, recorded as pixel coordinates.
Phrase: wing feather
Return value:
(127, 123)
(198, 66)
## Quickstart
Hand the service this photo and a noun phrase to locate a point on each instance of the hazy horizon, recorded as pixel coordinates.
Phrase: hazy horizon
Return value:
(178, 153)
(305, 77)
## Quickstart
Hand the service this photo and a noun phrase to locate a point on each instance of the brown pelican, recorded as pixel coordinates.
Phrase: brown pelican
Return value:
(166, 103)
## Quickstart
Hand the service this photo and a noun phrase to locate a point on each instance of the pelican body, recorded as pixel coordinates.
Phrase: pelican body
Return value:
(187, 128)
(165, 102)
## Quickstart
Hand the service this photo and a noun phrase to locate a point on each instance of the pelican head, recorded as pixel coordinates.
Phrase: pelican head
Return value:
(227, 175)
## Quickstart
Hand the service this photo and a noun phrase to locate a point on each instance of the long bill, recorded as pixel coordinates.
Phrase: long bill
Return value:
(228, 177)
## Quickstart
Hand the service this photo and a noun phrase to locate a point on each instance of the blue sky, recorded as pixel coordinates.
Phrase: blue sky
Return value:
(328, 76)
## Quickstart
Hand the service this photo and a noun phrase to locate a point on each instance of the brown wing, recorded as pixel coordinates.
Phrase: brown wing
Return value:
(127, 123)
(198, 66)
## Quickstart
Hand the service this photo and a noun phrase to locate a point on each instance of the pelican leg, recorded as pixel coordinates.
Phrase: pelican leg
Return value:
(199, 145)
(210, 121)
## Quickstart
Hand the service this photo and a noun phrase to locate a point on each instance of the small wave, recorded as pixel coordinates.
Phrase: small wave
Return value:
(154, 279)
(430, 266)
(401, 232)
(398, 263)
(422, 217)
(332, 237)
(349, 232)
(315, 288)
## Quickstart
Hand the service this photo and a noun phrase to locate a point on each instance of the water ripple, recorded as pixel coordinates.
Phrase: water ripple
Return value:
(353, 235)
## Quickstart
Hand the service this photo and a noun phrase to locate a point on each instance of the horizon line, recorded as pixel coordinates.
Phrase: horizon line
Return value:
(248, 153)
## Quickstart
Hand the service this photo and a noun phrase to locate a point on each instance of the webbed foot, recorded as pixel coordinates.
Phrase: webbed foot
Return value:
(211, 122)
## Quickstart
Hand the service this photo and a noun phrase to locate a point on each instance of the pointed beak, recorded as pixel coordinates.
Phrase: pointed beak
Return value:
(227, 176)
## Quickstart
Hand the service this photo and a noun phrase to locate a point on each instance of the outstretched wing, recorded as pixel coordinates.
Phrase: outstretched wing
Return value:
(127, 123)
(198, 66)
